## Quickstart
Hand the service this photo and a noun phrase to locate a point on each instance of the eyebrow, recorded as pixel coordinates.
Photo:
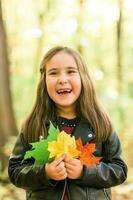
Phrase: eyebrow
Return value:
(68, 68)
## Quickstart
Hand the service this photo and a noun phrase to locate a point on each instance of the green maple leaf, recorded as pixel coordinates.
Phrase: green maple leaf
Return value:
(52, 133)
(39, 149)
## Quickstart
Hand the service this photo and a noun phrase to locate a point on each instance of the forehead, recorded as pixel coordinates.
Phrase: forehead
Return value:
(62, 58)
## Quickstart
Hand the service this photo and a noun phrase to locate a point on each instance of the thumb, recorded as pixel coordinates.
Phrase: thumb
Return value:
(58, 160)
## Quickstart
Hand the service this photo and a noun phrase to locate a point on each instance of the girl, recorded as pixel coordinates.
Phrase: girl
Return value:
(66, 96)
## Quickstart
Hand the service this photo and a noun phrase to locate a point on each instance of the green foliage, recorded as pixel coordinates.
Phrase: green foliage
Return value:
(39, 149)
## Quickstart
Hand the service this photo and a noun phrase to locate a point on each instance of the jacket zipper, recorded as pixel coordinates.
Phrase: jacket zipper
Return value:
(65, 184)
(106, 195)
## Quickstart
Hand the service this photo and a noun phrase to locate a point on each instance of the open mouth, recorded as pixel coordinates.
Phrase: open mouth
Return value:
(64, 91)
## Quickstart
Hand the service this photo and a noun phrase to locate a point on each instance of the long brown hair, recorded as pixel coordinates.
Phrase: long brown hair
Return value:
(87, 106)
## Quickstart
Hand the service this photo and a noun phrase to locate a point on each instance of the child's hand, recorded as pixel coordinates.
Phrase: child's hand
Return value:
(74, 168)
(56, 170)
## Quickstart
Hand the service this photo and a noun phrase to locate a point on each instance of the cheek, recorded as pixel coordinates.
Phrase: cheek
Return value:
(78, 85)
(50, 84)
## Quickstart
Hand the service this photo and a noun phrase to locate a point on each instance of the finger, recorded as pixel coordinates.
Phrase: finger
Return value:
(70, 169)
(74, 161)
(71, 164)
(60, 167)
(62, 177)
(68, 165)
(62, 164)
(57, 161)
(62, 172)
(66, 159)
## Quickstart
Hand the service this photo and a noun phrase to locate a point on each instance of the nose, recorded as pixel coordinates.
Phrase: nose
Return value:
(62, 79)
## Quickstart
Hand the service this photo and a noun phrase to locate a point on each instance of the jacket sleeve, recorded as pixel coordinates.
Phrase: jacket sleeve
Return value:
(110, 172)
(24, 174)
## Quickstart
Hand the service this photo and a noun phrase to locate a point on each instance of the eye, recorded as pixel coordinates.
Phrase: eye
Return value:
(71, 71)
(52, 73)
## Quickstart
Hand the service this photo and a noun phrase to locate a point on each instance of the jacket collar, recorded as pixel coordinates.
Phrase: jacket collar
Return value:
(84, 131)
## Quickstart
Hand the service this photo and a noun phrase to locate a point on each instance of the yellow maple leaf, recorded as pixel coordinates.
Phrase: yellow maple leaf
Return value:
(65, 144)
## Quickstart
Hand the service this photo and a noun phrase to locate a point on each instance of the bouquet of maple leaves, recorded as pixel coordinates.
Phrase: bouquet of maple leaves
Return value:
(58, 143)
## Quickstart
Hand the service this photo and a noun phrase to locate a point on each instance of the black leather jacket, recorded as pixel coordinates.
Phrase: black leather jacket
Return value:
(93, 185)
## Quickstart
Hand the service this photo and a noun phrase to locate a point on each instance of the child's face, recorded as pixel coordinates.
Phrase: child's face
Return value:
(63, 81)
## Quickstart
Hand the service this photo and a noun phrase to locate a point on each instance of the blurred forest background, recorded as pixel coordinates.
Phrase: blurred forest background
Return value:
(101, 30)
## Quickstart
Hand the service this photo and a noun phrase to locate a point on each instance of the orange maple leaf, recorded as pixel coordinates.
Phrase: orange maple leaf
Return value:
(86, 153)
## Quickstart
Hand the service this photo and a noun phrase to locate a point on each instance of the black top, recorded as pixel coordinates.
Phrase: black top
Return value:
(68, 125)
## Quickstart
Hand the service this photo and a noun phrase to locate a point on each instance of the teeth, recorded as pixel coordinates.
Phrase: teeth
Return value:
(64, 90)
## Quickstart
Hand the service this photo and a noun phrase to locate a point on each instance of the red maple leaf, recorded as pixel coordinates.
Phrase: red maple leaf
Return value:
(86, 156)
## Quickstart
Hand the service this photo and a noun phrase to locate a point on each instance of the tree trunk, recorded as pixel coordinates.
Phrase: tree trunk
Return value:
(7, 120)
(79, 31)
(119, 65)
(119, 48)
(41, 24)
